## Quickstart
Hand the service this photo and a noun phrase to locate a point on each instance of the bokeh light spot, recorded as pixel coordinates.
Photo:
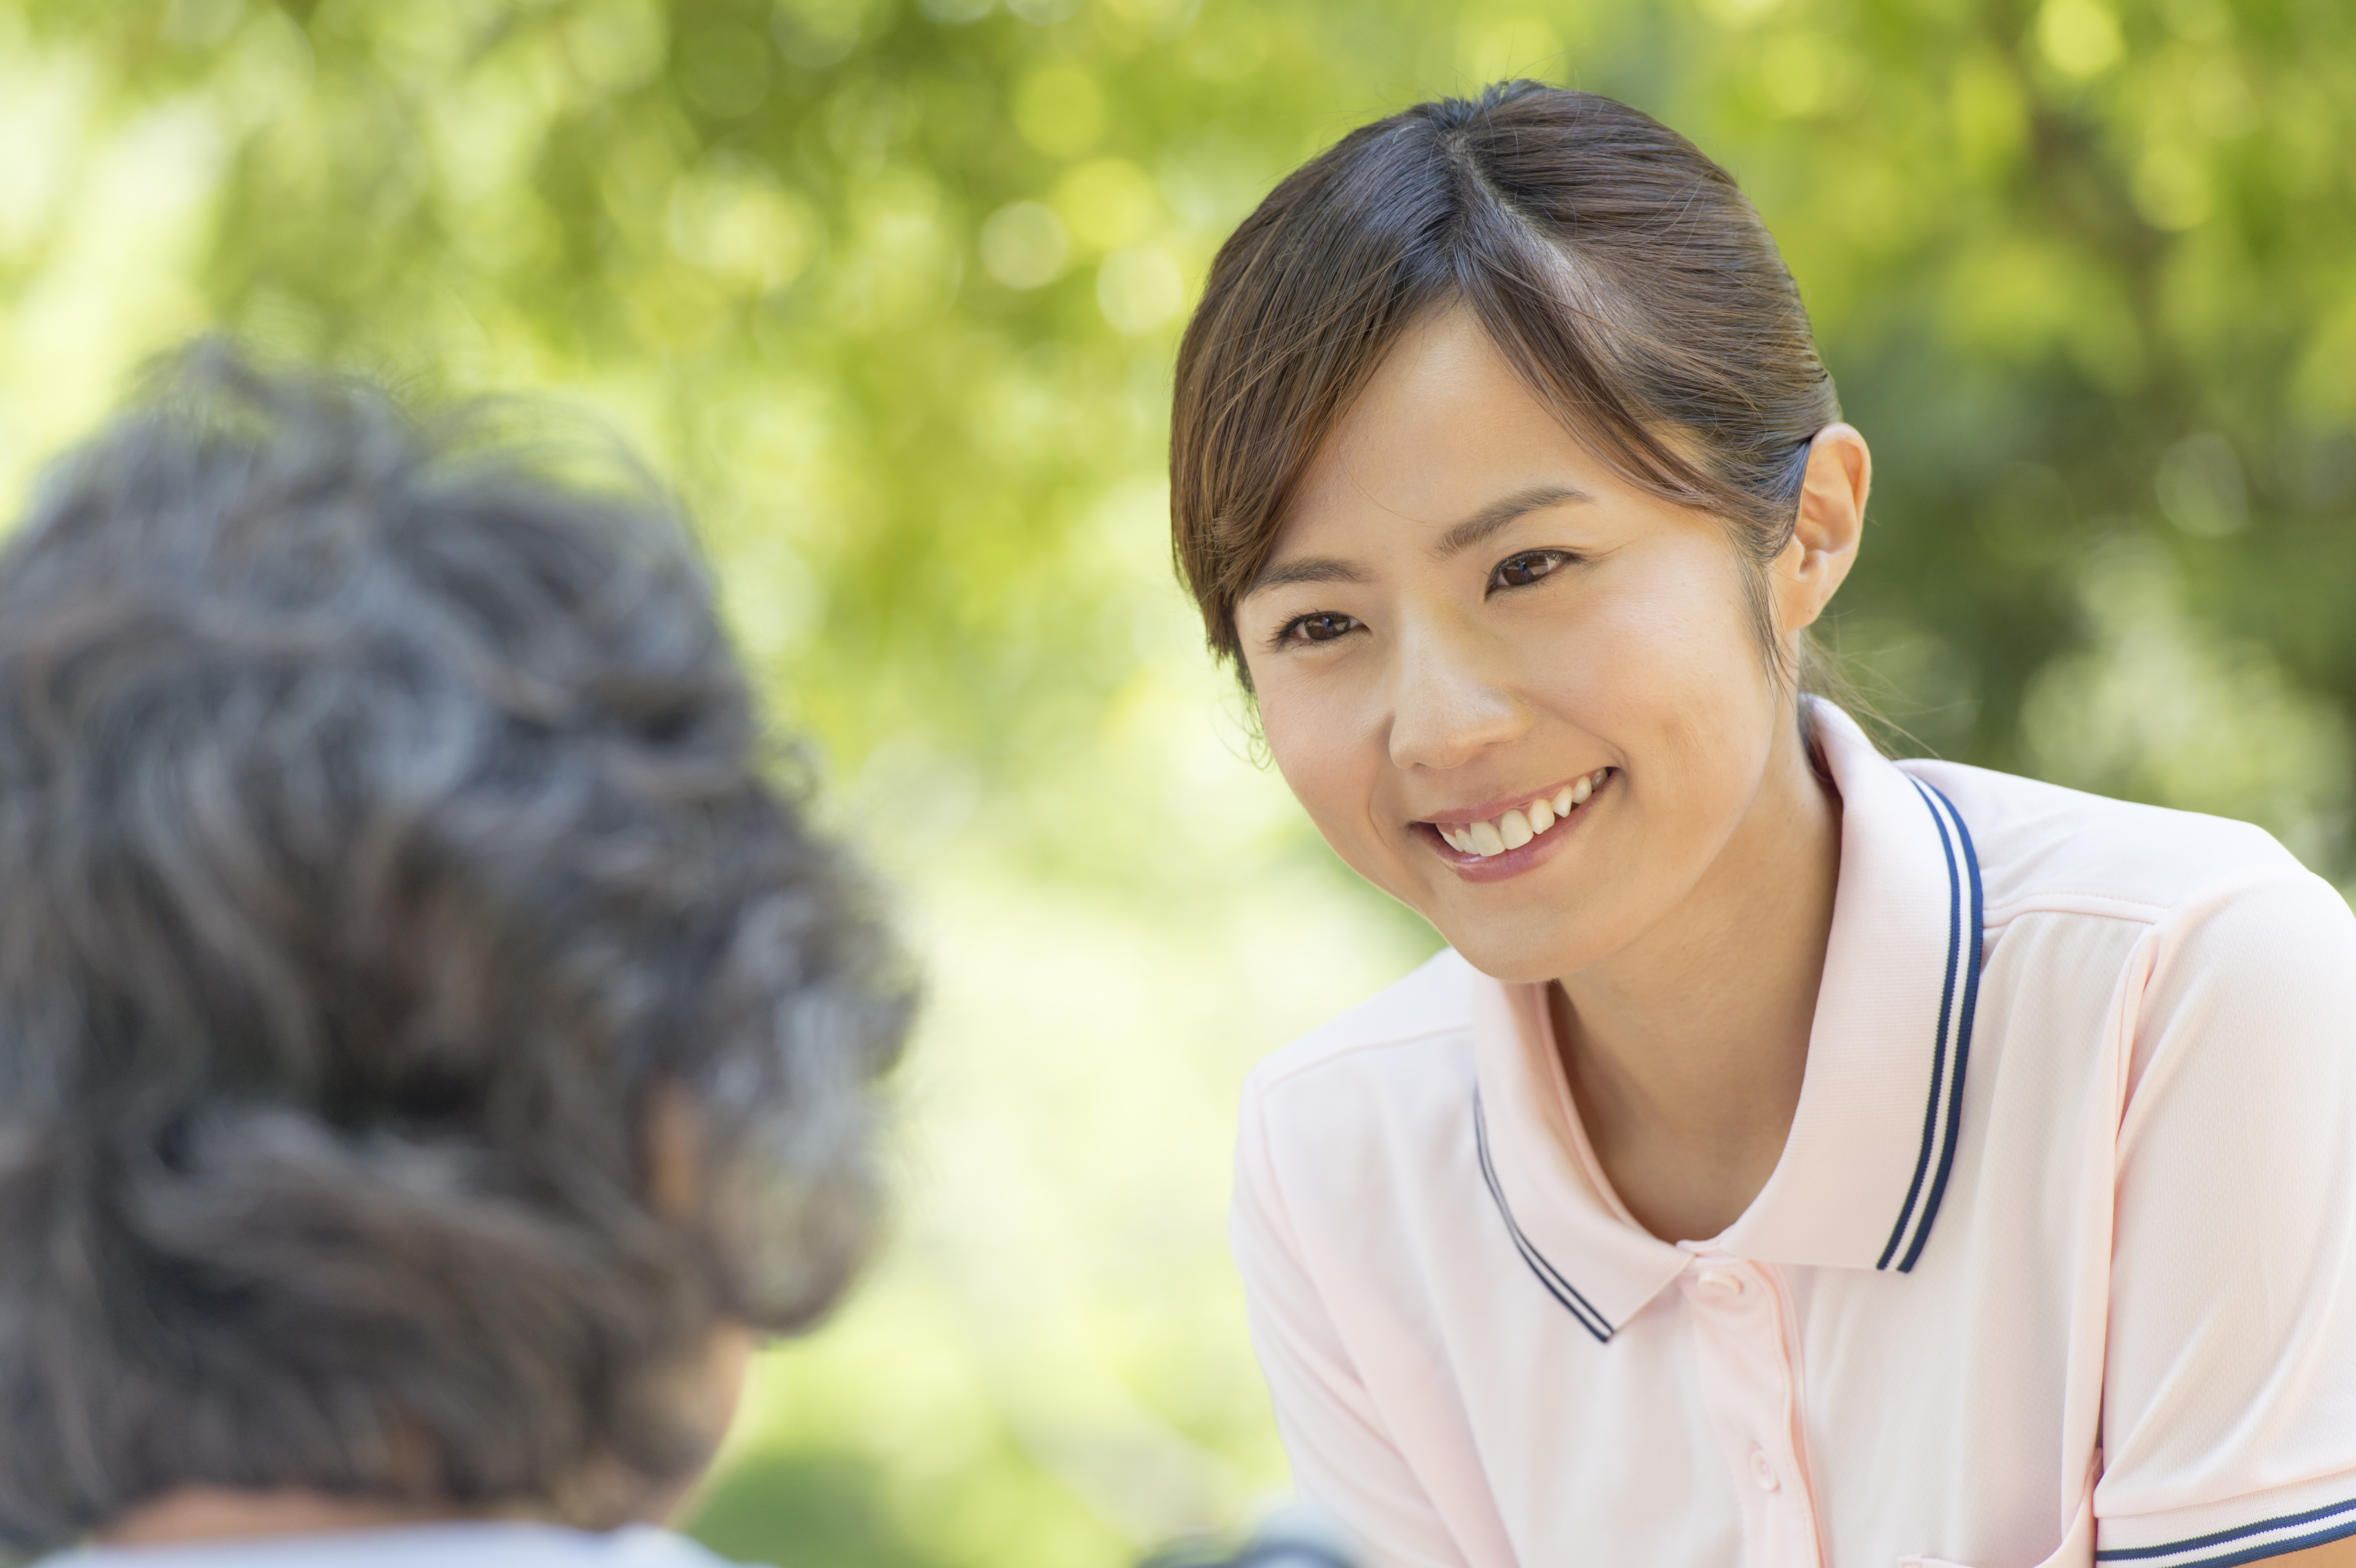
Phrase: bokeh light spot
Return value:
(1108, 203)
(2079, 37)
(1496, 49)
(1060, 109)
(2202, 486)
(1140, 289)
(199, 24)
(1023, 245)
(735, 225)
(815, 34)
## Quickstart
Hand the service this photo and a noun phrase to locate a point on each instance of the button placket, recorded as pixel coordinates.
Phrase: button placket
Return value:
(1747, 1379)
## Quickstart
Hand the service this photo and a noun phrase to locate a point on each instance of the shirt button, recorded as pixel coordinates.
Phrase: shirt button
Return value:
(1762, 1470)
(1718, 1282)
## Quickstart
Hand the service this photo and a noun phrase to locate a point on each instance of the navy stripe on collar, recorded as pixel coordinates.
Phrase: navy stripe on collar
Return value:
(2251, 1543)
(1943, 1115)
(1561, 1289)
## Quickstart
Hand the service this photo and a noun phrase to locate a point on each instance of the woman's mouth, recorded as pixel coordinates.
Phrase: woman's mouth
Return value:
(1520, 826)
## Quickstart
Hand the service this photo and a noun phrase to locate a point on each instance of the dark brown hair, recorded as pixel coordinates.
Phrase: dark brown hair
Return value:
(384, 824)
(1623, 274)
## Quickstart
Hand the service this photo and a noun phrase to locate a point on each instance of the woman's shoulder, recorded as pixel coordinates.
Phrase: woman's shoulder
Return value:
(1368, 1111)
(2229, 942)
(1417, 1028)
(2040, 844)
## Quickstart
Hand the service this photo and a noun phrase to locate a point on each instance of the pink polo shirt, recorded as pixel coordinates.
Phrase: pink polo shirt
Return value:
(2058, 1267)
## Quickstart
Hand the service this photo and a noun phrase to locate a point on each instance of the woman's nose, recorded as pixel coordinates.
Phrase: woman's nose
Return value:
(1447, 707)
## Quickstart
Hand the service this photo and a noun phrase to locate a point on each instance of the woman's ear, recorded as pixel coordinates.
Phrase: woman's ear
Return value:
(1831, 526)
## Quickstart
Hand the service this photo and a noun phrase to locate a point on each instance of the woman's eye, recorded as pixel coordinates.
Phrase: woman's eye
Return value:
(1321, 628)
(1521, 570)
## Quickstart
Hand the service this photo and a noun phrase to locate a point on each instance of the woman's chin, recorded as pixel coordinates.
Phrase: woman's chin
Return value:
(1520, 951)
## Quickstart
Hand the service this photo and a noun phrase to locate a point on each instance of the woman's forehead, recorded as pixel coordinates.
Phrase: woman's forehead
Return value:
(1445, 432)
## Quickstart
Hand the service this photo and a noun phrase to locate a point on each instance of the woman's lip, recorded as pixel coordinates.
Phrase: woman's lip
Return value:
(1489, 810)
(1514, 862)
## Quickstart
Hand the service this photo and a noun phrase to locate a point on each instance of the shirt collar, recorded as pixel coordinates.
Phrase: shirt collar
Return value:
(1863, 1172)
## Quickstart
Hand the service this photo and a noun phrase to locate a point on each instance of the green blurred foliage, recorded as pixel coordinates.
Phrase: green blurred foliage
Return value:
(892, 287)
(895, 282)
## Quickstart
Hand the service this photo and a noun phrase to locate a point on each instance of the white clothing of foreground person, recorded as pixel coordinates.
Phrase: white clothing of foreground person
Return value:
(466, 1545)
(433, 1048)
(1799, 1158)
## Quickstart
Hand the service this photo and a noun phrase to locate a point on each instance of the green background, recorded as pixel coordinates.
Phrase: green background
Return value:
(890, 288)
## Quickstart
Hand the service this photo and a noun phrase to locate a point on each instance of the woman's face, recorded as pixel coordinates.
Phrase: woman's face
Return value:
(1469, 624)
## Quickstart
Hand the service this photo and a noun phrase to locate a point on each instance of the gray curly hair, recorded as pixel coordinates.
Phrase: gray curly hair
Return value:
(384, 827)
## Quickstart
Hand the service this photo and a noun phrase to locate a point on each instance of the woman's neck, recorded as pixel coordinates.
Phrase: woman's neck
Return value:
(190, 1515)
(1686, 1051)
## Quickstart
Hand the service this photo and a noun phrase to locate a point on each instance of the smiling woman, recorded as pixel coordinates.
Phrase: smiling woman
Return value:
(1799, 1158)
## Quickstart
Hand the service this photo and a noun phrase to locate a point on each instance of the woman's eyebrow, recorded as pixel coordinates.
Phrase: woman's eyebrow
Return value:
(1462, 537)
(1306, 568)
(1497, 514)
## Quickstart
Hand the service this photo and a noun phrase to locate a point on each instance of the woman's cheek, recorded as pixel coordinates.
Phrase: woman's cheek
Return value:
(1317, 759)
(1334, 775)
(1665, 645)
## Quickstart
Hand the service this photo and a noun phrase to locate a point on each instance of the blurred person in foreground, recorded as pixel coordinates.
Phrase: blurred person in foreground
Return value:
(432, 1049)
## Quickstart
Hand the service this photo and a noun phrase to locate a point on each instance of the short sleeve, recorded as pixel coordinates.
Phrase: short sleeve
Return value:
(2230, 1373)
(1343, 1462)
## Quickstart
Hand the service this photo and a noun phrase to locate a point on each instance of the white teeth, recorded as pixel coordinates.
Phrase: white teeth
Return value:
(1518, 826)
